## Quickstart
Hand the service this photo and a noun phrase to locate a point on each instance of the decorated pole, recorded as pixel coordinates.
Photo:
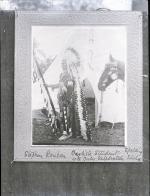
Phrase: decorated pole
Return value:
(44, 84)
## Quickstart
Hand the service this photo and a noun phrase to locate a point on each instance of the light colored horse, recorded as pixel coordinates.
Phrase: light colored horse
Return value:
(114, 70)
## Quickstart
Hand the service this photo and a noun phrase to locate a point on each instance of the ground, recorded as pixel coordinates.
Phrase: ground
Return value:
(101, 135)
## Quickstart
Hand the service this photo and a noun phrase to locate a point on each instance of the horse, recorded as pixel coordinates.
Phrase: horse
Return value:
(113, 71)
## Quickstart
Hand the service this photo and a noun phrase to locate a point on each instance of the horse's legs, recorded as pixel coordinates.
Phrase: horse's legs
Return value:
(97, 107)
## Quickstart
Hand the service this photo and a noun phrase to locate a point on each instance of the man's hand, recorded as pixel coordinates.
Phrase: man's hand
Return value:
(52, 86)
(70, 83)
(62, 87)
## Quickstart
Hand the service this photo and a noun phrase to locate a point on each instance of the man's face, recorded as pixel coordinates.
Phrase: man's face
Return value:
(70, 57)
(64, 65)
(73, 64)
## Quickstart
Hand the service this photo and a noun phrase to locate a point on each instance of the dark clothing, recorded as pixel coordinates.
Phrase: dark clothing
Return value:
(64, 97)
(69, 110)
(67, 104)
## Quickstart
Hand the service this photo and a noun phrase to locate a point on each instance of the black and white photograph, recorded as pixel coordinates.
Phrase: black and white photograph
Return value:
(74, 98)
(79, 85)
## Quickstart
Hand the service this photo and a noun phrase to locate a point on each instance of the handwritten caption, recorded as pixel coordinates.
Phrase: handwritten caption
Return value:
(85, 155)
(48, 155)
(77, 155)
(133, 154)
(97, 155)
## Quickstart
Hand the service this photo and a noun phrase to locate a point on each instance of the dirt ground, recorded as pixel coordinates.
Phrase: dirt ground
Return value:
(43, 134)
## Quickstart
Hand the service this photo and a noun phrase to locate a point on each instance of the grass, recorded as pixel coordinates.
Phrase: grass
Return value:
(101, 135)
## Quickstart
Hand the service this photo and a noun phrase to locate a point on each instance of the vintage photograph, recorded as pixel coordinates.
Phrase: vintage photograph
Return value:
(78, 85)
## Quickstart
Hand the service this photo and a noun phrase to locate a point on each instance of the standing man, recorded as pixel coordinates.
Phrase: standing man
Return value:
(71, 98)
(66, 99)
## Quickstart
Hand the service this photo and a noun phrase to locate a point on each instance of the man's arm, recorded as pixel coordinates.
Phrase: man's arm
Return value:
(53, 86)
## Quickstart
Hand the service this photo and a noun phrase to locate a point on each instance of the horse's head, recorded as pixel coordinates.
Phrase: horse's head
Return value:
(114, 70)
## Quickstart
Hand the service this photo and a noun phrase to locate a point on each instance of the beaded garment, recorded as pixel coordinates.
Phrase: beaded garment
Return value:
(77, 104)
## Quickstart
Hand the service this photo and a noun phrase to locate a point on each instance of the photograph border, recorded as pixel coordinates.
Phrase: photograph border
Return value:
(133, 149)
